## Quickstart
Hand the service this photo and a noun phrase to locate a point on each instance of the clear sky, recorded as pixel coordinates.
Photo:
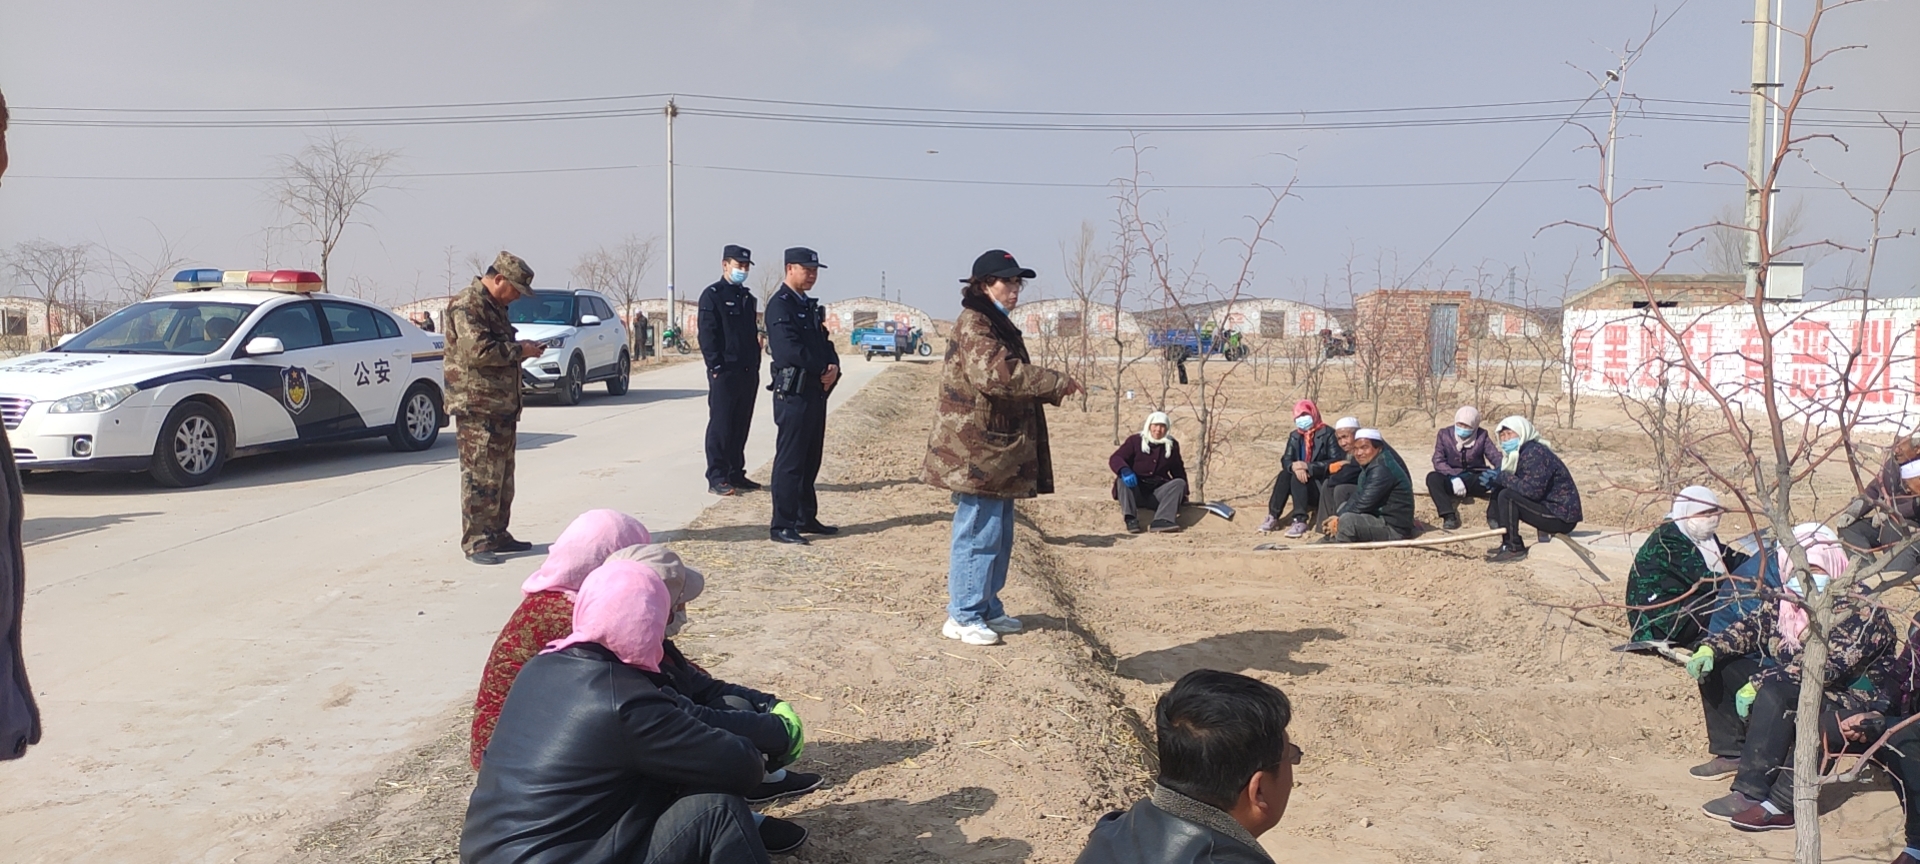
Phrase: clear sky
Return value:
(1365, 191)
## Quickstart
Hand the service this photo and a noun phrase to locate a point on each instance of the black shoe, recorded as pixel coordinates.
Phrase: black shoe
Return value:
(1450, 522)
(722, 489)
(483, 557)
(1505, 554)
(780, 836)
(1492, 523)
(1717, 768)
(1133, 525)
(1164, 526)
(795, 783)
(510, 546)
(786, 535)
(815, 527)
(742, 483)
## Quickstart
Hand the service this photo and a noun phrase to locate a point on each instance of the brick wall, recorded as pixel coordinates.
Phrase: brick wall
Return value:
(1394, 324)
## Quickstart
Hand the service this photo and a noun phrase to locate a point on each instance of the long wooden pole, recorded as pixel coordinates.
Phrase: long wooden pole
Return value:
(1441, 540)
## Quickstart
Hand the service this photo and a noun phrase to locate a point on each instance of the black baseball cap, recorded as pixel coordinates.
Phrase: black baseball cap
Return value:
(999, 264)
(804, 257)
(737, 253)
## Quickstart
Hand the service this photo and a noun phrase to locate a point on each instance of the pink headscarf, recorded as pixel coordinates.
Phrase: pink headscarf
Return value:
(622, 606)
(1306, 406)
(1823, 551)
(585, 545)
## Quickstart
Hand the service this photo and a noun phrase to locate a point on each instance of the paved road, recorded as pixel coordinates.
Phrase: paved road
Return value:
(217, 667)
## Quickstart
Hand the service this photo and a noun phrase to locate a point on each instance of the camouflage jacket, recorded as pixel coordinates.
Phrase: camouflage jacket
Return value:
(483, 358)
(989, 431)
(1861, 636)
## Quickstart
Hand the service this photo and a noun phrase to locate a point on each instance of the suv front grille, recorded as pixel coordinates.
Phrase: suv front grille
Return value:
(13, 409)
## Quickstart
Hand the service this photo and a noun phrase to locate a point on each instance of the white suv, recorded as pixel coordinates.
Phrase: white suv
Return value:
(585, 342)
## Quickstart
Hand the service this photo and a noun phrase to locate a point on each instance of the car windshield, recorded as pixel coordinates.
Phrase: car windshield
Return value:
(544, 307)
(170, 327)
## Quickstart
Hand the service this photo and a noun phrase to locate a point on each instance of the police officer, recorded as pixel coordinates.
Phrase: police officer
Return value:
(730, 342)
(483, 395)
(805, 369)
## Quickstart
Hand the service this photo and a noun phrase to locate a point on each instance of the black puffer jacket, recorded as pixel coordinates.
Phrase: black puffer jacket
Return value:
(588, 754)
(1386, 490)
(1170, 828)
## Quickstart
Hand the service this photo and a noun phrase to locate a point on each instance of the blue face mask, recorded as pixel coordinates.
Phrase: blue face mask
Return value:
(996, 305)
(1511, 445)
(1303, 423)
(737, 277)
(1464, 433)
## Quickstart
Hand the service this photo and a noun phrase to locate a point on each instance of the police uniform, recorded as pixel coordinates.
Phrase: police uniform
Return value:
(797, 339)
(483, 395)
(730, 342)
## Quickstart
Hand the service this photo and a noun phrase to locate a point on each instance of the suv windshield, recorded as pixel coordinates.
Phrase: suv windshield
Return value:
(172, 327)
(544, 307)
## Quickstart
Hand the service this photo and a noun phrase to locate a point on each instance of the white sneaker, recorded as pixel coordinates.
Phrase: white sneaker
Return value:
(972, 634)
(1004, 624)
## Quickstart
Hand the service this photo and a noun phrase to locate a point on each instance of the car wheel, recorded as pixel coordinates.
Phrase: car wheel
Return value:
(622, 372)
(574, 385)
(418, 424)
(191, 449)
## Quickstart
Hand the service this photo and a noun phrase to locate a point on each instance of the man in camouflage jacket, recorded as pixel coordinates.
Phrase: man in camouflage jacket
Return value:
(483, 395)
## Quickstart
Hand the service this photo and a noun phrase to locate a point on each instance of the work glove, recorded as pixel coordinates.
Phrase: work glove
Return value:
(1700, 663)
(1743, 699)
(795, 733)
(1129, 479)
(1490, 478)
(1459, 487)
(1336, 467)
(1855, 509)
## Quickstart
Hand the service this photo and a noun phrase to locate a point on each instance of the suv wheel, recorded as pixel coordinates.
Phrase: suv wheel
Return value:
(574, 385)
(191, 449)
(622, 371)
(418, 424)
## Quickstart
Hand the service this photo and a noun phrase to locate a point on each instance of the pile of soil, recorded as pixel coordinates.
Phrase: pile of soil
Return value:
(1447, 712)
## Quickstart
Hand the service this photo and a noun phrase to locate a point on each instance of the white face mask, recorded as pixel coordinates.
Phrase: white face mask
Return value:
(1700, 527)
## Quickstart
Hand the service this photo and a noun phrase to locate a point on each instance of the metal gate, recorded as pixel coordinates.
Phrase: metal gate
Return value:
(1443, 338)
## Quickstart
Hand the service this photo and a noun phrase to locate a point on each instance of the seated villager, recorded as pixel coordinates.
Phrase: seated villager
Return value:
(1337, 479)
(1382, 504)
(593, 762)
(1226, 772)
(1860, 637)
(1532, 487)
(1898, 700)
(1310, 443)
(1886, 513)
(761, 717)
(545, 613)
(1462, 455)
(1149, 472)
(1673, 586)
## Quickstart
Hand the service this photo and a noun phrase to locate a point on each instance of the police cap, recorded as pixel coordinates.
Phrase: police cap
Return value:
(737, 253)
(804, 257)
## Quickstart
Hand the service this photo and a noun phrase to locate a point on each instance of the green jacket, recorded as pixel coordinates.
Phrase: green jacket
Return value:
(1669, 573)
(483, 356)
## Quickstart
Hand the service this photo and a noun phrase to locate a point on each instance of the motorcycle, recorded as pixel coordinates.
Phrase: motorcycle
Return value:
(671, 336)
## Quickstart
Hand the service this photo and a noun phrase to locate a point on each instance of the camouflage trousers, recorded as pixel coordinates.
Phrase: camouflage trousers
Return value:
(486, 479)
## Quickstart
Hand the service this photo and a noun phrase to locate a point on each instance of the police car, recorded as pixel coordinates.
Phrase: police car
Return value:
(233, 363)
(584, 339)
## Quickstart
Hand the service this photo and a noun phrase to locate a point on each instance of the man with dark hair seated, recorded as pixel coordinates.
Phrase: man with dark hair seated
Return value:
(1226, 771)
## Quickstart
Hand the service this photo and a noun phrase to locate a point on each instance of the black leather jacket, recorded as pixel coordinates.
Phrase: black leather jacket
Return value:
(1151, 834)
(588, 754)
(1386, 490)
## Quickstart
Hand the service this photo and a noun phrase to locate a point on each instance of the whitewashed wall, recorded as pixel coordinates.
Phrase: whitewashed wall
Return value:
(1841, 362)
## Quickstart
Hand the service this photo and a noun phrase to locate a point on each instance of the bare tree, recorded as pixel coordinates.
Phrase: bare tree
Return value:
(57, 275)
(137, 277)
(323, 188)
(619, 271)
(1087, 272)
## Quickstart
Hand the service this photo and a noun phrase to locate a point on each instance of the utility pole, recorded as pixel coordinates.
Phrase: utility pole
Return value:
(673, 312)
(883, 286)
(1619, 79)
(1756, 148)
(1773, 144)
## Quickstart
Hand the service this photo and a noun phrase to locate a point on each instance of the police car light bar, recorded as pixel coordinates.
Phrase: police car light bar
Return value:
(294, 281)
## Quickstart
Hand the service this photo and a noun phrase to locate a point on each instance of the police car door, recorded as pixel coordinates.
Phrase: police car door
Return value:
(372, 360)
(293, 396)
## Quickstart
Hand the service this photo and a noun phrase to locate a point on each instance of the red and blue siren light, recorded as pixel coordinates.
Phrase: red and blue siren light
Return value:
(207, 279)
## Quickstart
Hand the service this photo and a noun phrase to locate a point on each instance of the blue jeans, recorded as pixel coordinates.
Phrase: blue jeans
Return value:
(977, 565)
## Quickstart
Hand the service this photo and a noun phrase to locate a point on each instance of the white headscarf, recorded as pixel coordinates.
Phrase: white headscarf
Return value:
(1146, 431)
(1696, 512)
(1521, 426)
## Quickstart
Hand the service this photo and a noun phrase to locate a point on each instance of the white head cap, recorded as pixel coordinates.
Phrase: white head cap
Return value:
(1370, 434)
(1910, 470)
(1347, 423)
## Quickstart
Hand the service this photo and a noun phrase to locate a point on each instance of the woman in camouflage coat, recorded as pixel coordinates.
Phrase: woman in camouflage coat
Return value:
(989, 444)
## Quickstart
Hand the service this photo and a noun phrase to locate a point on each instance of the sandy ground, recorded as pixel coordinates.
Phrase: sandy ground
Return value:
(1447, 714)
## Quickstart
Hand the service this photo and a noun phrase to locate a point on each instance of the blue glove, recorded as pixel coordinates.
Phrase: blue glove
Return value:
(1743, 699)
(1129, 479)
(1490, 477)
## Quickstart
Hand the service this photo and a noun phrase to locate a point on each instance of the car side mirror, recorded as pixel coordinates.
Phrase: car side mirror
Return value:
(64, 339)
(589, 320)
(264, 346)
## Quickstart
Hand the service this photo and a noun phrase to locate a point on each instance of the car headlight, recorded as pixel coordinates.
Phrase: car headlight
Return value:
(555, 343)
(93, 400)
